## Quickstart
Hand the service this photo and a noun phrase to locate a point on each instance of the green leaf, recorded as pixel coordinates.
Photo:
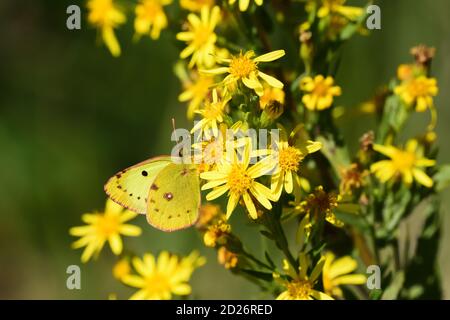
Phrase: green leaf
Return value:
(393, 290)
(375, 294)
(442, 178)
(269, 260)
(267, 234)
(257, 274)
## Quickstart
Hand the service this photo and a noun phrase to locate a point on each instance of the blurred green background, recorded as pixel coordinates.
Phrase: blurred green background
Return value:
(71, 116)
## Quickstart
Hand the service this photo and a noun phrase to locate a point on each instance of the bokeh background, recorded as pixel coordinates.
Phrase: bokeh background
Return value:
(71, 116)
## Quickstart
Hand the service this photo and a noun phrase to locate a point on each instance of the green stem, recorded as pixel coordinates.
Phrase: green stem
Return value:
(272, 222)
(256, 260)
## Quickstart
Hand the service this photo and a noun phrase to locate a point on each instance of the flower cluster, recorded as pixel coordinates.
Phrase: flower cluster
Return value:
(237, 80)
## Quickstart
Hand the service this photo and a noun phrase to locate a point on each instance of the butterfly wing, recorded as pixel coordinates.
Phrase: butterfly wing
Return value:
(174, 198)
(130, 187)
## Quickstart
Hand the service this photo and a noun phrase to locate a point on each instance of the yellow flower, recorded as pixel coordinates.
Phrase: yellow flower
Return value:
(338, 272)
(207, 213)
(405, 72)
(217, 234)
(239, 178)
(227, 258)
(209, 152)
(196, 91)
(159, 279)
(329, 7)
(213, 113)
(301, 287)
(408, 163)
(104, 15)
(271, 95)
(150, 17)
(243, 4)
(201, 38)
(352, 178)
(287, 157)
(418, 92)
(102, 227)
(193, 261)
(320, 205)
(196, 5)
(121, 268)
(244, 67)
(320, 92)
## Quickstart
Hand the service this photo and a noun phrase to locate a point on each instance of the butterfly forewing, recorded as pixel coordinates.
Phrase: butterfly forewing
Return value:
(130, 187)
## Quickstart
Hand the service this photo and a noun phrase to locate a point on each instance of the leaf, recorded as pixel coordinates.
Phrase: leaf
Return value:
(258, 274)
(354, 220)
(442, 178)
(267, 234)
(269, 260)
(337, 156)
(393, 290)
(375, 294)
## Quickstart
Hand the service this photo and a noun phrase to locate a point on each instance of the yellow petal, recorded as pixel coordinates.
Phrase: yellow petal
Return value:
(271, 80)
(217, 192)
(115, 242)
(422, 178)
(271, 56)
(350, 279)
(130, 230)
(111, 41)
(250, 206)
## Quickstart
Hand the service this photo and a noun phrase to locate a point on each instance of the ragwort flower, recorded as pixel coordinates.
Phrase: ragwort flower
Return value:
(301, 287)
(200, 37)
(320, 92)
(106, 16)
(408, 163)
(244, 68)
(418, 92)
(150, 17)
(337, 272)
(102, 227)
(238, 178)
(159, 279)
(243, 4)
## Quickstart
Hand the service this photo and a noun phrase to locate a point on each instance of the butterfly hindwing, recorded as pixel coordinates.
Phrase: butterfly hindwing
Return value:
(174, 198)
(130, 187)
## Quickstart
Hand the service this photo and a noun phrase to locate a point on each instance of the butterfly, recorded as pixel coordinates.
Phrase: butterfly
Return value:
(167, 193)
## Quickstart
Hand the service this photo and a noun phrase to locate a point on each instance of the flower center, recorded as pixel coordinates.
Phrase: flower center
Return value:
(101, 11)
(238, 180)
(418, 88)
(151, 10)
(107, 226)
(404, 160)
(289, 159)
(242, 66)
(212, 111)
(321, 89)
(201, 36)
(320, 202)
(300, 289)
(157, 283)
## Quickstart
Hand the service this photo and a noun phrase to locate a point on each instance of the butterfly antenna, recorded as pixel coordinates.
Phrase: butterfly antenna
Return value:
(174, 127)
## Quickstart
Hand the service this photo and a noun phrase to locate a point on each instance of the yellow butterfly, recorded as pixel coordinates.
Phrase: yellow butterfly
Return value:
(166, 192)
